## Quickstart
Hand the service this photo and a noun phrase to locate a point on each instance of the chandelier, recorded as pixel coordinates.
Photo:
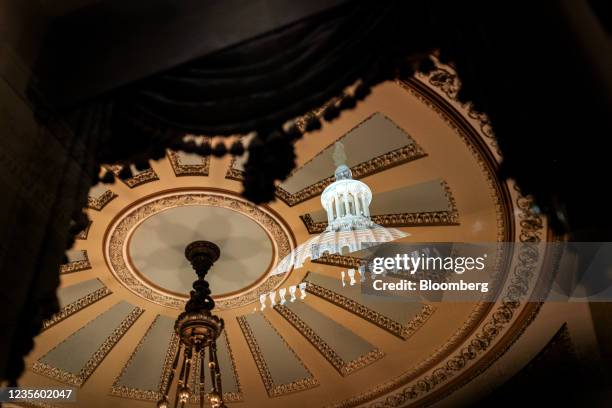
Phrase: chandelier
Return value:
(197, 329)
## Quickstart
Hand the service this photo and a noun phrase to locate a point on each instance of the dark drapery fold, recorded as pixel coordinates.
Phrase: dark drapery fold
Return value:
(46, 190)
(518, 63)
(258, 85)
(270, 80)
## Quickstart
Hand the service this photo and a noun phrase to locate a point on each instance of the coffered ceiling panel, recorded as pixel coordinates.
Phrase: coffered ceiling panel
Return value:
(76, 255)
(360, 147)
(72, 293)
(77, 261)
(345, 350)
(138, 176)
(280, 368)
(76, 297)
(141, 376)
(75, 358)
(188, 164)
(400, 318)
(366, 155)
(99, 197)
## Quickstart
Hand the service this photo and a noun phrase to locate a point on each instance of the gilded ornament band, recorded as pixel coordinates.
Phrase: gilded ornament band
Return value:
(274, 390)
(79, 379)
(75, 306)
(343, 367)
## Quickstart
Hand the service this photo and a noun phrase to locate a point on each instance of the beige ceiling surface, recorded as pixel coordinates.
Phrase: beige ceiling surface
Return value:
(362, 143)
(157, 248)
(336, 347)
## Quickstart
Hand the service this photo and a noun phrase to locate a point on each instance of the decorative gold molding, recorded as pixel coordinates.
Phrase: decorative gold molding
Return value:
(312, 226)
(468, 135)
(316, 113)
(98, 203)
(374, 165)
(234, 173)
(83, 234)
(135, 393)
(168, 360)
(138, 179)
(232, 396)
(445, 79)
(503, 207)
(343, 367)
(403, 331)
(274, 390)
(32, 404)
(141, 178)
(76, 306)
(79, 379)
(76, 266)
(118, 236)
(415, 219)
(343, 261)
(268, 285)
(187, 169)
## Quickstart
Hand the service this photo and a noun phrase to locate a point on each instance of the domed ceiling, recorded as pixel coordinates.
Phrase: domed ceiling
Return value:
(430, 164)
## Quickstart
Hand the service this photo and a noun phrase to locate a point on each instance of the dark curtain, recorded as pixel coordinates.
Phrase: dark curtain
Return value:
(45, 183)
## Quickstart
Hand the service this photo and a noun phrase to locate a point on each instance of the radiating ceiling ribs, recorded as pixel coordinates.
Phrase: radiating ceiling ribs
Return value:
(74, 359)
(346, 351)
(403, 330)
(403, 150)
(77, 297)
(281, 370)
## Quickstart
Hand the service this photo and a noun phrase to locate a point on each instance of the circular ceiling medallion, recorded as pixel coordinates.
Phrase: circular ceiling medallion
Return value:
(144, 246)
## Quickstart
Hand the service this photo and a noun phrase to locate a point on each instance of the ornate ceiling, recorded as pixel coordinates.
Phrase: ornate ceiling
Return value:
(430, 163)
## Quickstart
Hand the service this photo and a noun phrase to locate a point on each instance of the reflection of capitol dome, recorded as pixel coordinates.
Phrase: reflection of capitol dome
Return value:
(347, 202)
(349, 227)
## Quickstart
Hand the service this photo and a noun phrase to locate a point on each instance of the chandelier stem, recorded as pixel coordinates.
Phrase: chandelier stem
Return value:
(217, 377)
(188, 367)
(211, 365)
(181, 381)
(197, 329)
(176, 399)
(202, 358)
